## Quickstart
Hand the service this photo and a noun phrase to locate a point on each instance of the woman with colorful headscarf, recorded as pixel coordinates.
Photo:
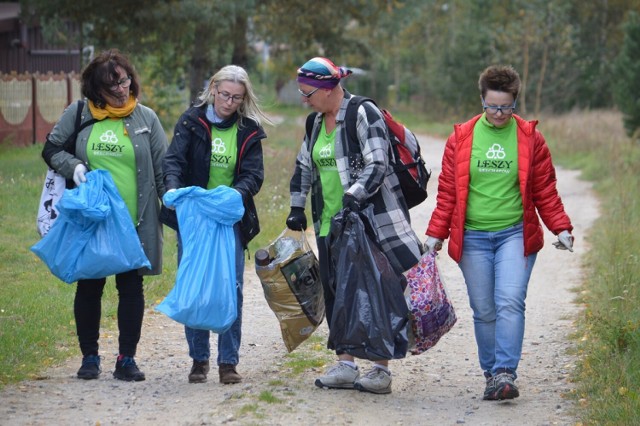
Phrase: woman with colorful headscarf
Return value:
(337, 178)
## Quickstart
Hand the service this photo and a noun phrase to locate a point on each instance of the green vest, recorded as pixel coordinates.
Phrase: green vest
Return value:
(494, 202)
(324, 157)
(224, 154)
(109, 148)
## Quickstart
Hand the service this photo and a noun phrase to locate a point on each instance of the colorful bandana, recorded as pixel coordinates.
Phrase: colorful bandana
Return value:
(322, 73)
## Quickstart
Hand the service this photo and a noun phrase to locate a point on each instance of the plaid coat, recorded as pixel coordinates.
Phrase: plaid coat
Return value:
(367, 176)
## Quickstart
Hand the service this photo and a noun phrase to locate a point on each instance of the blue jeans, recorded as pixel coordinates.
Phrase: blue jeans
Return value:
(497, 276)
(229, 341)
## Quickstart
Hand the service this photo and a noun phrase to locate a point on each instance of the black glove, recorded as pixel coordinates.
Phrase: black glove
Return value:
(350, 202)
(297, 220)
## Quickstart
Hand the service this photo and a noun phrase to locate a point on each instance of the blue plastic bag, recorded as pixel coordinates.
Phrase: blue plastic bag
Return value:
(93, 236)
(204, 295)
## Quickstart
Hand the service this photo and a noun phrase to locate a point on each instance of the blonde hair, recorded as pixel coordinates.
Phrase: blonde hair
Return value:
(249, 107)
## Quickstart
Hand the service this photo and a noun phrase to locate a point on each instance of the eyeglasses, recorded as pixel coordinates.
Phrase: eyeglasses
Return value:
(308, 95)
(492, 109)
(225, 96)
(123, 82)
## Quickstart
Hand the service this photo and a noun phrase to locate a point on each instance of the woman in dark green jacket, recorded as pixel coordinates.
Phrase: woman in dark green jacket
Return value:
(128, 141)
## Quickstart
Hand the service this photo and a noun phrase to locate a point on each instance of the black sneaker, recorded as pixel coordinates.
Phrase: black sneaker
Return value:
(490, 388)
(90, 368)
(127, 370)
(503, 387)
(199, 371)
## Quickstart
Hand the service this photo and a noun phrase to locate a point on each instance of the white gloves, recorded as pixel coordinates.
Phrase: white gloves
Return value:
(433, 244)
(79, 174)
(565, 241)
(165, 204)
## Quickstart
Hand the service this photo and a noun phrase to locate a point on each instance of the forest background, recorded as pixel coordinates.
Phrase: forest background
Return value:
(579, 64)
(423, 55)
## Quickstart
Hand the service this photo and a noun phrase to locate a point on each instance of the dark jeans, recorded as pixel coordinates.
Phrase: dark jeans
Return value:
(87, 308)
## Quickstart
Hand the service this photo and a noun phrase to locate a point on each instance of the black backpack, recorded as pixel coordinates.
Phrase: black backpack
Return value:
(406, 160)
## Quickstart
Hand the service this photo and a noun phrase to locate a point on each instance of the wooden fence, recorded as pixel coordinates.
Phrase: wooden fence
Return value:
(30, 104)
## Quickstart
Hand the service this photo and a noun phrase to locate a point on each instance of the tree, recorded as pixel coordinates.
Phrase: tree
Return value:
(192, 38)
(627, 83)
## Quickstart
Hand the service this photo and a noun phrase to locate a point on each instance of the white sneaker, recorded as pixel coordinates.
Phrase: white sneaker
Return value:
(375, 380)
(339, 376)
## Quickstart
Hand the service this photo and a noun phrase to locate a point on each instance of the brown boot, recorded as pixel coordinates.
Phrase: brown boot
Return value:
(199, 371)
(228, 374)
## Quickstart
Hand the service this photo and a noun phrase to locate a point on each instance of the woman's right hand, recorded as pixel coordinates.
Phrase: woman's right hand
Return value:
(433, 244)
(79, 174)
(297, 220)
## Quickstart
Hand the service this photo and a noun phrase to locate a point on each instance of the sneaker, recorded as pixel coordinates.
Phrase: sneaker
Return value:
(503, 387)
(90, 368)
(375, 380)
(228, 374)
(490, 387)
(127, 370)
(340, 376)
(199, 371)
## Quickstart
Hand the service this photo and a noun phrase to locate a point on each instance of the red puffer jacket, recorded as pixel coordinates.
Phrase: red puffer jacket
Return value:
(536, 175)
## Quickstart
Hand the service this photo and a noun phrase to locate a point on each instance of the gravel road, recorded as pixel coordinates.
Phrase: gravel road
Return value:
(440, 387)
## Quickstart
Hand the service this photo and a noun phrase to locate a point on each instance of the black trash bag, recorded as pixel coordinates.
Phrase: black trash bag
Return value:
(370, 313)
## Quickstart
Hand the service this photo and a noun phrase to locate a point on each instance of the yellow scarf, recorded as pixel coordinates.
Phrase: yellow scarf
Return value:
(113, 112)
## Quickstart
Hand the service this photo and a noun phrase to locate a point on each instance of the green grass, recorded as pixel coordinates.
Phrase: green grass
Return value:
(312, 353)
(608, 374)
(36, 320)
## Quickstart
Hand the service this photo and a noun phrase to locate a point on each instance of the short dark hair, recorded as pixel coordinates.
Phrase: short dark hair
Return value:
(101, 74)
(501, 78)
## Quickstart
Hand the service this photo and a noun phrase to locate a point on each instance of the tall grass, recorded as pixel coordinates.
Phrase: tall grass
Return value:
(608, 374)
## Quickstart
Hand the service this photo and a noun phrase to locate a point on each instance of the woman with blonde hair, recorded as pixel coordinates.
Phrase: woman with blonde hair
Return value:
(217, 141)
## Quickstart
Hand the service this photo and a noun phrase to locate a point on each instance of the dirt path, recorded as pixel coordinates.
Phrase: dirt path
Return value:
(440, 387)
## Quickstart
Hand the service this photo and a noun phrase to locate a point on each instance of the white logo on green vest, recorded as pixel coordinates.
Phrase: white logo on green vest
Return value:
(218, 146)
(109, 137)
(496, 151)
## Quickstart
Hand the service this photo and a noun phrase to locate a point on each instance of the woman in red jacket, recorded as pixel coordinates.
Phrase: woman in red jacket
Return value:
(497, 177)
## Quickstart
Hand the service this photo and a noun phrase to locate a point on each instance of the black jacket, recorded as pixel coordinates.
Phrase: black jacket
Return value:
(187, 163)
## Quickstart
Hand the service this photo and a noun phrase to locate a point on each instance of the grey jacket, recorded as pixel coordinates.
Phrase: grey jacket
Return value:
(150, 144)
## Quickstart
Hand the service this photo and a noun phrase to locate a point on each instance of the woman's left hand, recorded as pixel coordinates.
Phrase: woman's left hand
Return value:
(565, 241)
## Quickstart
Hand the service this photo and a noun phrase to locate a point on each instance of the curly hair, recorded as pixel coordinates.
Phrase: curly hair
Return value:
(501, 78)
(100, 75)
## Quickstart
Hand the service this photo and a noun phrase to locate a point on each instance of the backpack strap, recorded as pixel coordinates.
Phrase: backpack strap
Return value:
(70, 144)
(351, 116)
(311, 118)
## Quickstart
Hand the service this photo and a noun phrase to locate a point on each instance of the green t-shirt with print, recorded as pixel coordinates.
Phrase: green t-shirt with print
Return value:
(224, 153)
(324, 157)
(494, 201)
(109, 148)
